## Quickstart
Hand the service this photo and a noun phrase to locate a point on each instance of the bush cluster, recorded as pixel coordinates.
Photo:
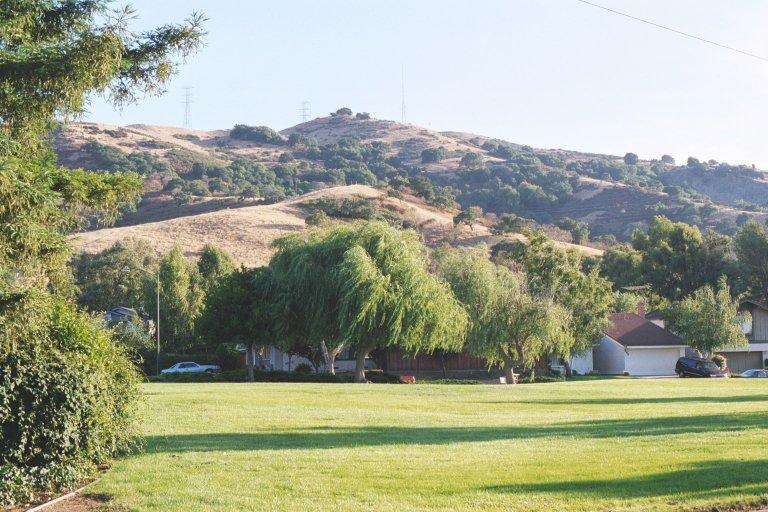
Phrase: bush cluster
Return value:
(274, 376)
(67, 396)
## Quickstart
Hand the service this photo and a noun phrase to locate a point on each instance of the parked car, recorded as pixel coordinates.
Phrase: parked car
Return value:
(191, 367)
(756, 374)
(696, 367)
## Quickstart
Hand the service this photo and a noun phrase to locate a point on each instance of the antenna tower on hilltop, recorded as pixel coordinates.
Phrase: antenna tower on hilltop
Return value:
(187, 103)
(306, 111)
(402, 90)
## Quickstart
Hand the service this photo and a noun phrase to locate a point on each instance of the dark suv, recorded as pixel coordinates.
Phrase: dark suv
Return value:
(695, 367)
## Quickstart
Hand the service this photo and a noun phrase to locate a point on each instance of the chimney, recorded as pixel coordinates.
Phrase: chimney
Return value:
(641, 309)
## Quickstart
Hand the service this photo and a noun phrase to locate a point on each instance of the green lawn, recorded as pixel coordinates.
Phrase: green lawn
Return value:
(615, 444)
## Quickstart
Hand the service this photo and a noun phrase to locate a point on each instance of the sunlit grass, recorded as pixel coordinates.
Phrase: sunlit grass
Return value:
(589, 445)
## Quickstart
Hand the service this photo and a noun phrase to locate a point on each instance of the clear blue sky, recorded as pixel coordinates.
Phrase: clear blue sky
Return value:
(548, 73)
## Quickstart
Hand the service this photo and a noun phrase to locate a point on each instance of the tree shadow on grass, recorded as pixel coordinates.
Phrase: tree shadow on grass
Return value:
(707, 479)
(640, 400)
(337, 437)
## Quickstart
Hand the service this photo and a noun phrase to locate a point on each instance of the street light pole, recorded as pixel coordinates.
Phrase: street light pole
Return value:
(157, 326)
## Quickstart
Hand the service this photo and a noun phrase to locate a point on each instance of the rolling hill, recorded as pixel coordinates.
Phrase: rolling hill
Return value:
(241, 188)
(247, 232)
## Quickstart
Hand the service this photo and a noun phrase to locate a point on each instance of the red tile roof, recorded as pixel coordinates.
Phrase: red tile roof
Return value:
(632, 330)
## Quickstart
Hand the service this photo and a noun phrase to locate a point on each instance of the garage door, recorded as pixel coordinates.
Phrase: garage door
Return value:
(652, 361)
(740, 361)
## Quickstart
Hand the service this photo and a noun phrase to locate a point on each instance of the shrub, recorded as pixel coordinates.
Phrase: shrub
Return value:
(450, 381)
(227, 356)
(432, 155)
(720, 361)
(363, 115)
(343, 111)
(303, 368)
(68, 396)
(263, 134)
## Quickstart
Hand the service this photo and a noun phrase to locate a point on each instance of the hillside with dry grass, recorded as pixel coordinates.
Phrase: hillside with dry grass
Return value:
(248, 231)
(241, 187)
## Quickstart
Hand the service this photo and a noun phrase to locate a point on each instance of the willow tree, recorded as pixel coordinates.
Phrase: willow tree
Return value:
(509, 325)
(364, 286)
(560, 274)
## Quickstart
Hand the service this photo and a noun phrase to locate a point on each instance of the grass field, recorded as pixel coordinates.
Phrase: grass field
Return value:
(589, 445)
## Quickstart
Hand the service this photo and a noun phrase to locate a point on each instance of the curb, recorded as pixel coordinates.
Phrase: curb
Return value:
(59, 499)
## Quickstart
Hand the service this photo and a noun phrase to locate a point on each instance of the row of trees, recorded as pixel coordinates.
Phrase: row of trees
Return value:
(366, 286)
(675, 259)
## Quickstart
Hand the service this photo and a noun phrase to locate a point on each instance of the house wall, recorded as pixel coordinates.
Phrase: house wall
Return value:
(608, 357)
(653, 360)
(583, 364)
(759, 326)
(396, 361)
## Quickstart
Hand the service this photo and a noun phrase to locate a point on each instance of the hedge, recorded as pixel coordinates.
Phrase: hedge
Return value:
(273, 376)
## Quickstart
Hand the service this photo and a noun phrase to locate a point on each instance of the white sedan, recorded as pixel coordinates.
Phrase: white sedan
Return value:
(190, 367)
(756, 374)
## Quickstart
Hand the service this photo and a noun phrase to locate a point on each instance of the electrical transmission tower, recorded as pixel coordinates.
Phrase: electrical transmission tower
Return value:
(187, 103)
(306, 111)
(402, 91)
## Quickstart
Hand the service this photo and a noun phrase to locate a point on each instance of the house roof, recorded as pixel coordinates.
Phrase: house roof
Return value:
(632, 330)
(754, 302)
(654, 315)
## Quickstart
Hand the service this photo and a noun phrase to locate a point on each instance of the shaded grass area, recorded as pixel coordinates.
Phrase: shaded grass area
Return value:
(588, 445)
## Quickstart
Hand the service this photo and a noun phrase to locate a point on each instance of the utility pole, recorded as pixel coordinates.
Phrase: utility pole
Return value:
(402, 91)
(187, 103)
(306, 111)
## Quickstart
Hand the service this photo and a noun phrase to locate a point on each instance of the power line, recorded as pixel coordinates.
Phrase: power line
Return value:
(679, 32)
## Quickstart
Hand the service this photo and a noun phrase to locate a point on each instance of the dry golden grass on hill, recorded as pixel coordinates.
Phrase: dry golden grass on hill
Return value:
(248, 232)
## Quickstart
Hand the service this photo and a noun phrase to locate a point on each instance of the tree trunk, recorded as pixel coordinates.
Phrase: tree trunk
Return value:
(568, 369)
(360, 365)
(509, 371)
(250, 356)
(328, 357)
(442, 365)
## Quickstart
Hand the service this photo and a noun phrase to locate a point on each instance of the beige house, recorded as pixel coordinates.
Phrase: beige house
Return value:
(754, 354)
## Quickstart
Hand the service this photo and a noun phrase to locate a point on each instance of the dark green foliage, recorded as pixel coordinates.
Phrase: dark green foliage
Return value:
(559, 273)
(214, 264)
(343, 111)
(579, 230)
(472, 161)
(667, 159)
(303, 368)
(362, 116)
(433, 155)
(468, 216)
(117, 276)
(510, 223)
(67, 390)
(67, 396)
(677, 258)
(751, 245)
(262, 134)
(364, 286)
(630, 159)
(108, 158)
(181, 297)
